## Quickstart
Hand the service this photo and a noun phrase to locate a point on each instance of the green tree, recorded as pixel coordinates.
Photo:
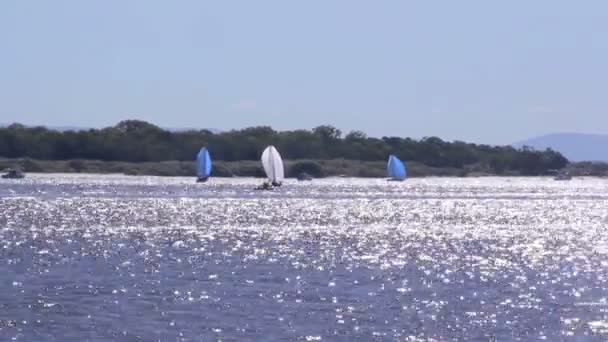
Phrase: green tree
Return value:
(139, 141)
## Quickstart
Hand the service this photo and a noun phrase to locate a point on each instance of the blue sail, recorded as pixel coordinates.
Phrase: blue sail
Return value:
(396, 169)
(203, 164)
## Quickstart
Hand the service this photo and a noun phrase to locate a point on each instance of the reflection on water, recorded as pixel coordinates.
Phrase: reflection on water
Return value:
(147, 258)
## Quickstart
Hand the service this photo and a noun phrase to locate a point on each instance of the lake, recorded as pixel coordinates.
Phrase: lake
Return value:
(121, 258)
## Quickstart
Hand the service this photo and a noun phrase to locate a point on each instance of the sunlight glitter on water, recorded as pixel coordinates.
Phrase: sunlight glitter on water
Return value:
(334, 259)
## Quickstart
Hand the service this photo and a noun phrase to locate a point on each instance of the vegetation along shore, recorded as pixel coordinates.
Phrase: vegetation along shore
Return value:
(140, 148)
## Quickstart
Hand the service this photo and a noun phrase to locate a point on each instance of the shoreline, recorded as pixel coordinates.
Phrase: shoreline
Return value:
(246, 168)
(342, 168)
(293, 179)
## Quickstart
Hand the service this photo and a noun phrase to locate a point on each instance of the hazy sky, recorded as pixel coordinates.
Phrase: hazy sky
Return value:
(483, 71)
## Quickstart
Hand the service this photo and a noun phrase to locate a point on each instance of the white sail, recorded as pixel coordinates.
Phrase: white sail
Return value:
(273, 164)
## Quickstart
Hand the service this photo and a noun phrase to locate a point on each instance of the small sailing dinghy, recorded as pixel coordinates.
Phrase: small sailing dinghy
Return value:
(396, 169)
(303, 176)
(563, 176)
(13, 174)
(203, 165)
(273, 167)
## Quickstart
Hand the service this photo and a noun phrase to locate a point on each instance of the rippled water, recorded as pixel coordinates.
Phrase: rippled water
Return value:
(117, 258)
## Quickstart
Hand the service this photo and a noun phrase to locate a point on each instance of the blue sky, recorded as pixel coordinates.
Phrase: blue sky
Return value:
(482, 71)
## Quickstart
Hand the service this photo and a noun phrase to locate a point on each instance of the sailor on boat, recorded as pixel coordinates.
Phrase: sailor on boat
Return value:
(264, 186)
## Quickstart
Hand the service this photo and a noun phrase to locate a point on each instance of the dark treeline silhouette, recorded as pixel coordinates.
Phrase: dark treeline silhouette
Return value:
(139, 141)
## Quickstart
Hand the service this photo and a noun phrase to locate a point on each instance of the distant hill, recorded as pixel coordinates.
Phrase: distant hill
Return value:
(574, 146)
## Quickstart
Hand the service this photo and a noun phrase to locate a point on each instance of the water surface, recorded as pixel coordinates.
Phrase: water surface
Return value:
(119, 258)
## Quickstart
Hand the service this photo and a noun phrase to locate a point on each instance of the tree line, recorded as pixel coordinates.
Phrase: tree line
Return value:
(139, 141)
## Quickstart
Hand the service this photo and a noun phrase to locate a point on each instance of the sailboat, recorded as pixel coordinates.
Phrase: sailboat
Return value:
(203, 165)
(396, 169)
(563, 176)
(273, 167)
(13, 174)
